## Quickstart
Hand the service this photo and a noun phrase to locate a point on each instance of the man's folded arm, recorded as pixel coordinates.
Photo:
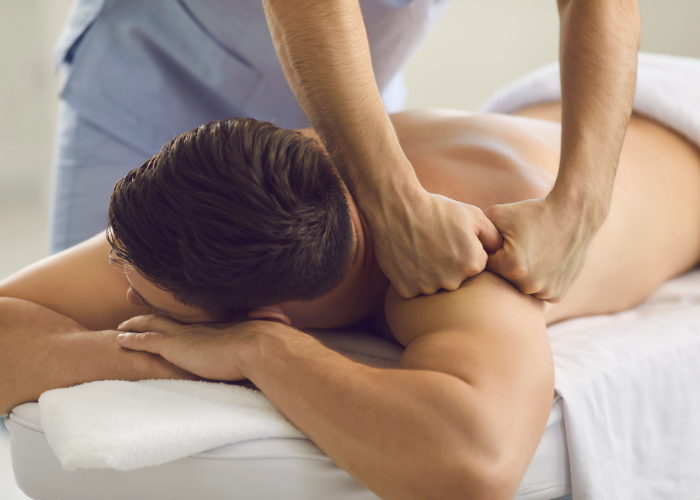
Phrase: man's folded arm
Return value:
(80, 283)
(461, 419)
(57, 321)
(42, 350)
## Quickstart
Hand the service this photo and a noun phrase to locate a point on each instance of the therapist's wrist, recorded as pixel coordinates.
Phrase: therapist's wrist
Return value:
(392, 200)
(587, 205)
(586, 178)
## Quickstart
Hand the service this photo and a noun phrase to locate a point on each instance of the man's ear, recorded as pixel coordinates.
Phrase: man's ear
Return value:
(270, 313)
(133, 299)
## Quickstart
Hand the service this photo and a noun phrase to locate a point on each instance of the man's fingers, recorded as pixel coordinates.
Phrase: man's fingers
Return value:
(147, 323)
(149, 341)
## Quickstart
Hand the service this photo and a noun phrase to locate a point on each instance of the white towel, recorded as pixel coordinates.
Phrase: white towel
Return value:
(631, 391)
(668, 90)
(128, 425)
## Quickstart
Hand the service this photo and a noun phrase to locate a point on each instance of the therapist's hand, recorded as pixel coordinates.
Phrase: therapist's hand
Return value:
(545, 243)
(432, 243)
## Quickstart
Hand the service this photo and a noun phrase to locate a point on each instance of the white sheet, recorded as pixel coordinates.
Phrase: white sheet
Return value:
(631, 391)
(668, 90)
(631, 388)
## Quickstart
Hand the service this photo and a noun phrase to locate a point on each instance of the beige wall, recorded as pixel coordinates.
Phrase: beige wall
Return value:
(481, 45)
(28, 87)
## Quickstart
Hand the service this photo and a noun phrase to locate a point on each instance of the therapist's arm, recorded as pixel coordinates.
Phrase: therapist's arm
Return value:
(423, 242)
(546, 241)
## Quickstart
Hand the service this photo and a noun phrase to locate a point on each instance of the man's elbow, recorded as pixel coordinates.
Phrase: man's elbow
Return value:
(462, 475)
(8, 353)
(486, 481)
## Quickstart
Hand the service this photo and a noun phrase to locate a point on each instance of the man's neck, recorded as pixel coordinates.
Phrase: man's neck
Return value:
(359, 295)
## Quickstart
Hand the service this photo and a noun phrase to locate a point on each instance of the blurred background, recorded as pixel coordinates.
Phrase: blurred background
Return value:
(478, 46)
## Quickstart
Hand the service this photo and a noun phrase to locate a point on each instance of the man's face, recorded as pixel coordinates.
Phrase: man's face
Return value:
(141, 292)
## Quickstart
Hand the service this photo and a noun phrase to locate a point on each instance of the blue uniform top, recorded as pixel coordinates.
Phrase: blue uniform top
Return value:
(147, 70)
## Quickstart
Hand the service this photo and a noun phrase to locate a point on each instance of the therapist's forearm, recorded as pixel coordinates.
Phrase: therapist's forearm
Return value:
(599, 44)
(42, 350)
(324, 52)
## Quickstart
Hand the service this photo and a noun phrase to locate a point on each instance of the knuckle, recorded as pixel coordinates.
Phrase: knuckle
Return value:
(429, 289)
(138, 337)
(404, 291)
(532, 289)
(127, 337)
(146, 337)
(472, 264)
(451, 285)
(518, 270)
(494, 212)
(473, 268)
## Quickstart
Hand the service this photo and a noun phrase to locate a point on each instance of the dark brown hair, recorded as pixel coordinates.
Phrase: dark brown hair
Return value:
(235, 215)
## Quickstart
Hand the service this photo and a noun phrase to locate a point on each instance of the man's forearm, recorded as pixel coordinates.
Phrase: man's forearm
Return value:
(405, 434)
(599, 44)
(42, 350)
(324, 52)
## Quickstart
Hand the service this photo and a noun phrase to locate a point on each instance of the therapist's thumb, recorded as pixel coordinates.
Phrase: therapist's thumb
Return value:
(489, 236)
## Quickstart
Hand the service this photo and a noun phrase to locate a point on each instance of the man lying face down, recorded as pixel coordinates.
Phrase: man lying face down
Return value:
(240, 221)
(236, 217)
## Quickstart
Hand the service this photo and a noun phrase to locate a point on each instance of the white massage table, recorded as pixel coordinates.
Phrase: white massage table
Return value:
(295, 469)
(267, 469)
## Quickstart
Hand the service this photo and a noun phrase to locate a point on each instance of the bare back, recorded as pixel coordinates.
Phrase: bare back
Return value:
(652, 232)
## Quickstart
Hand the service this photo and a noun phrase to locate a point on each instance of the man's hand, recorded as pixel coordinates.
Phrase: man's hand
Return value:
(433, 245)
(208, 351)
(545, 243)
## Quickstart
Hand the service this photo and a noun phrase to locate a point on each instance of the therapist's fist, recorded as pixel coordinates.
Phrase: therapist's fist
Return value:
(433, 243)
(544, 246)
